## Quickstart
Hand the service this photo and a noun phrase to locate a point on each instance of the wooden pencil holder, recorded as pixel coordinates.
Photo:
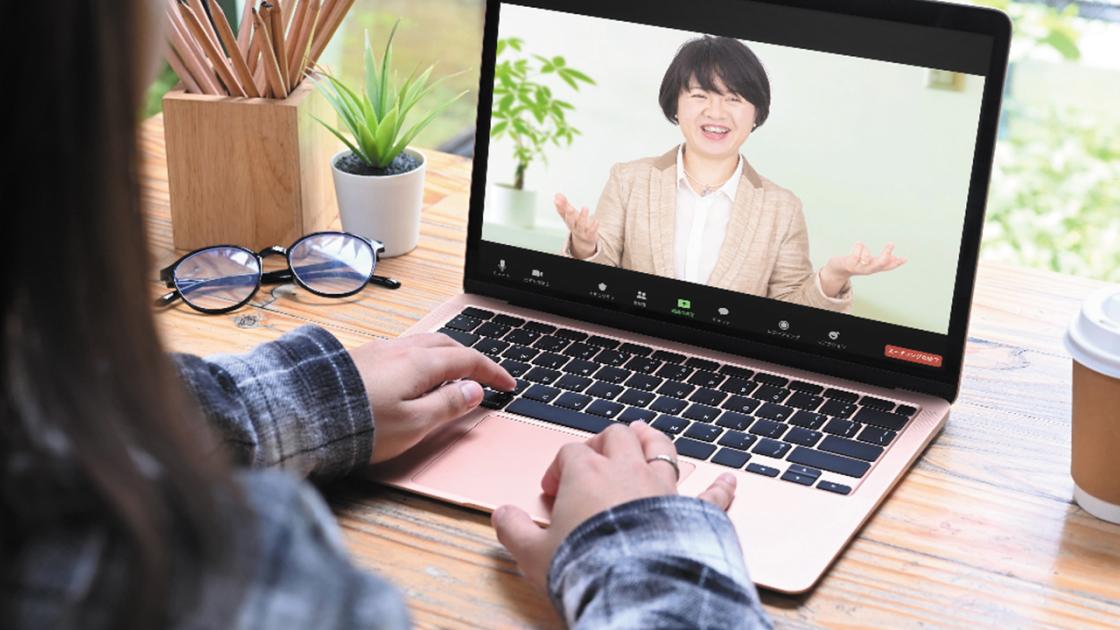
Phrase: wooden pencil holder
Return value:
(248, 171)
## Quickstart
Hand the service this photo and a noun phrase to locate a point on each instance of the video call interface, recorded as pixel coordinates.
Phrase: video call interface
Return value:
(806, 192)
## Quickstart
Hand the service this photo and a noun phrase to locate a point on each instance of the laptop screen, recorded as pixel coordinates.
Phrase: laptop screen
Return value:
(797, 177)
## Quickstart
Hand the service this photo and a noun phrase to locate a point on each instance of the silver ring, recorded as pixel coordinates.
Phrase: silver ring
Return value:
(672, 461)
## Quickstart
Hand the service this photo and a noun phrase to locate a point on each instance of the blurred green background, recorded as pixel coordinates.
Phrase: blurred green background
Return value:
(1055, 194)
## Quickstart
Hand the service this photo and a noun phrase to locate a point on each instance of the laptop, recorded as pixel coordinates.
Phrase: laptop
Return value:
(707, 313)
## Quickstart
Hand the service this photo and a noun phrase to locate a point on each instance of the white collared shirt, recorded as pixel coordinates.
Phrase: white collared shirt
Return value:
(701, 222)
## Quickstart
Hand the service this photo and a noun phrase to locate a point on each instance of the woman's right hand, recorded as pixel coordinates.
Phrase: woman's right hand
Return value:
(584, 228)
(586, 478)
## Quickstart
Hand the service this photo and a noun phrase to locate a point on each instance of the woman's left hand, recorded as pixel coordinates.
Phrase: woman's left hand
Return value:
(836, 273)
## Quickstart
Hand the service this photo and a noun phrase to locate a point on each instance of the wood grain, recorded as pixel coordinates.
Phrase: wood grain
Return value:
(982, 533)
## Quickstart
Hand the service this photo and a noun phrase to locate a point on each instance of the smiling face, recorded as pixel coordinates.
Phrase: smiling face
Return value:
(716, 123)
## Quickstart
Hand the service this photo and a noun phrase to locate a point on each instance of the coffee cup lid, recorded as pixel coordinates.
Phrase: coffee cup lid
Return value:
(1093, 337)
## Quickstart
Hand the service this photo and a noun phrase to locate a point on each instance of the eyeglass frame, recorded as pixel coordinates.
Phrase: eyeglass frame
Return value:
(278, 276)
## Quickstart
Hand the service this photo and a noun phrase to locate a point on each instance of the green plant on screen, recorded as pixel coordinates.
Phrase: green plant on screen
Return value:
(375, 116)
(526, 110)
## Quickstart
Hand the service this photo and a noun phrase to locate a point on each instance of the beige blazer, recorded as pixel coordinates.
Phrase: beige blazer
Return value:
(765, 251)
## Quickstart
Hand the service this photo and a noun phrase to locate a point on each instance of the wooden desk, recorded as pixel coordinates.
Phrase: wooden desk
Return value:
(982, 532)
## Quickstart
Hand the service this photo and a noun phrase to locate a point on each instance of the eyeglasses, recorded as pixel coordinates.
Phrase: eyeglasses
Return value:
(223, 278)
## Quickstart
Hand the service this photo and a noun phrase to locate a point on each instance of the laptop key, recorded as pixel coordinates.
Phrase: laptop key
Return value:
(602, 342)
(605, 408)
(581, 351)
(736, 371)
(771, 448)
(803, 480)
(572, 382)
(702, 413)
(704, 378)
(802, 437)
(808, 419)
(580, 367)
(493, 399)
(521, 385)
(600, 389)
(464, 323)
(731, 458)
(829, 486)
(550, 360)
(771, 379)
(542, 393)
(774, 412)
(515, 368)
(572, 400)
(674, 371)
(876, 403)
(737, 440)
(675, 389)
(805, 471)
(841, 395)
(633, 348)
(669, 424)
(702, 364)
(540, 327)
(703, 432)
(637, 397)
(884, 419)
(768, 428)
(801, 400)
(692, 448)
(771, 394)
(759, 469)
(491, 329)
(808, 388)
(733, 420)
(520, 353)
(477, 313)
(491, 346)
(634, 414)
(827, 461)
(838, 426)
(850, 448)
(558, 415)
(906, 410)
(507, 320)
(641, 381)
(522, 337)
(464, 338)
(644, 365)
(572, 335)
(738, 386)
(542, 375)
(707, 396)
(548, 343)
(838, 408)
(667, 404)
(611, 357)
(669, 357)
(875, 435)
(742, 404)
(612, 374)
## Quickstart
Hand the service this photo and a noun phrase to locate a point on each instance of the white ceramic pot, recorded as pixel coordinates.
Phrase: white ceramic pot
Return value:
(382, 207)
(511, 206)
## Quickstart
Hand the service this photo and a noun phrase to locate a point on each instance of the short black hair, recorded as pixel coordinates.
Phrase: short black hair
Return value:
(706, 58)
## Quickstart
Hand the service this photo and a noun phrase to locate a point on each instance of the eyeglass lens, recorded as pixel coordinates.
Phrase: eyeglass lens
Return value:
(218, 277)
(333, 264)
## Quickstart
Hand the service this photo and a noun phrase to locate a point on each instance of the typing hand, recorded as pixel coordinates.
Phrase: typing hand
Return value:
(860, 262)
(586, 478)
(584, 228)
(406, 380)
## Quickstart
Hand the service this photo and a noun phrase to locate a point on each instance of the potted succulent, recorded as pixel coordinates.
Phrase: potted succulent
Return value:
(526, 111)
(378, 179)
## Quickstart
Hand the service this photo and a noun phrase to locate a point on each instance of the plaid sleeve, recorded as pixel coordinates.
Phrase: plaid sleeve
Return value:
(660, 562)
(296, 403)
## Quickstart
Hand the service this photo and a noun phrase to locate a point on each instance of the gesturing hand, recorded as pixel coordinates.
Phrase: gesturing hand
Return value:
(586, 478)
(584, 228)
(406, 380)
(860, 262)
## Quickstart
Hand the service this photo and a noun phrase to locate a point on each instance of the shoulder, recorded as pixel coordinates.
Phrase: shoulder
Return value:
(642, 169)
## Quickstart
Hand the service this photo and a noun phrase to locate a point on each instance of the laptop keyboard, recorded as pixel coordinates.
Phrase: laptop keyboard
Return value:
(734, 416)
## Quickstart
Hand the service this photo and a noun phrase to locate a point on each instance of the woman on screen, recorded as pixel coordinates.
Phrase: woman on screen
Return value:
(699, 212)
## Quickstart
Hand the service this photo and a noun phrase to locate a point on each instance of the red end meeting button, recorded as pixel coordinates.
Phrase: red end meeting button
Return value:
(913, 356)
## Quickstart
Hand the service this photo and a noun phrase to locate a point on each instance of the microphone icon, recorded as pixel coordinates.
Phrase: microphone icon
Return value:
(502, 265)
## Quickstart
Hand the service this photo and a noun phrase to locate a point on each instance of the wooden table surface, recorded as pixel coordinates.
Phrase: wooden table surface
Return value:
(981, 533)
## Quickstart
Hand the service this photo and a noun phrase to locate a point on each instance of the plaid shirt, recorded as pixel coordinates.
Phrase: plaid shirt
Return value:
(297, 404)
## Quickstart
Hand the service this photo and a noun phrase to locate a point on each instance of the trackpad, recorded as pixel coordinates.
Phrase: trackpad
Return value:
(501, 460)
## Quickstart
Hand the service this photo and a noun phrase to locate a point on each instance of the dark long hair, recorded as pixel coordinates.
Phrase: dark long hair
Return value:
(96, 431)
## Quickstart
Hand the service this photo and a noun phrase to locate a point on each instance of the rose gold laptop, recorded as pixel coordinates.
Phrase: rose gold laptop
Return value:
(880, 128)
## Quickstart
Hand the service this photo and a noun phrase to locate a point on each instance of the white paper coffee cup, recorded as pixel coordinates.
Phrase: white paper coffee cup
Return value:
(1093, 339)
